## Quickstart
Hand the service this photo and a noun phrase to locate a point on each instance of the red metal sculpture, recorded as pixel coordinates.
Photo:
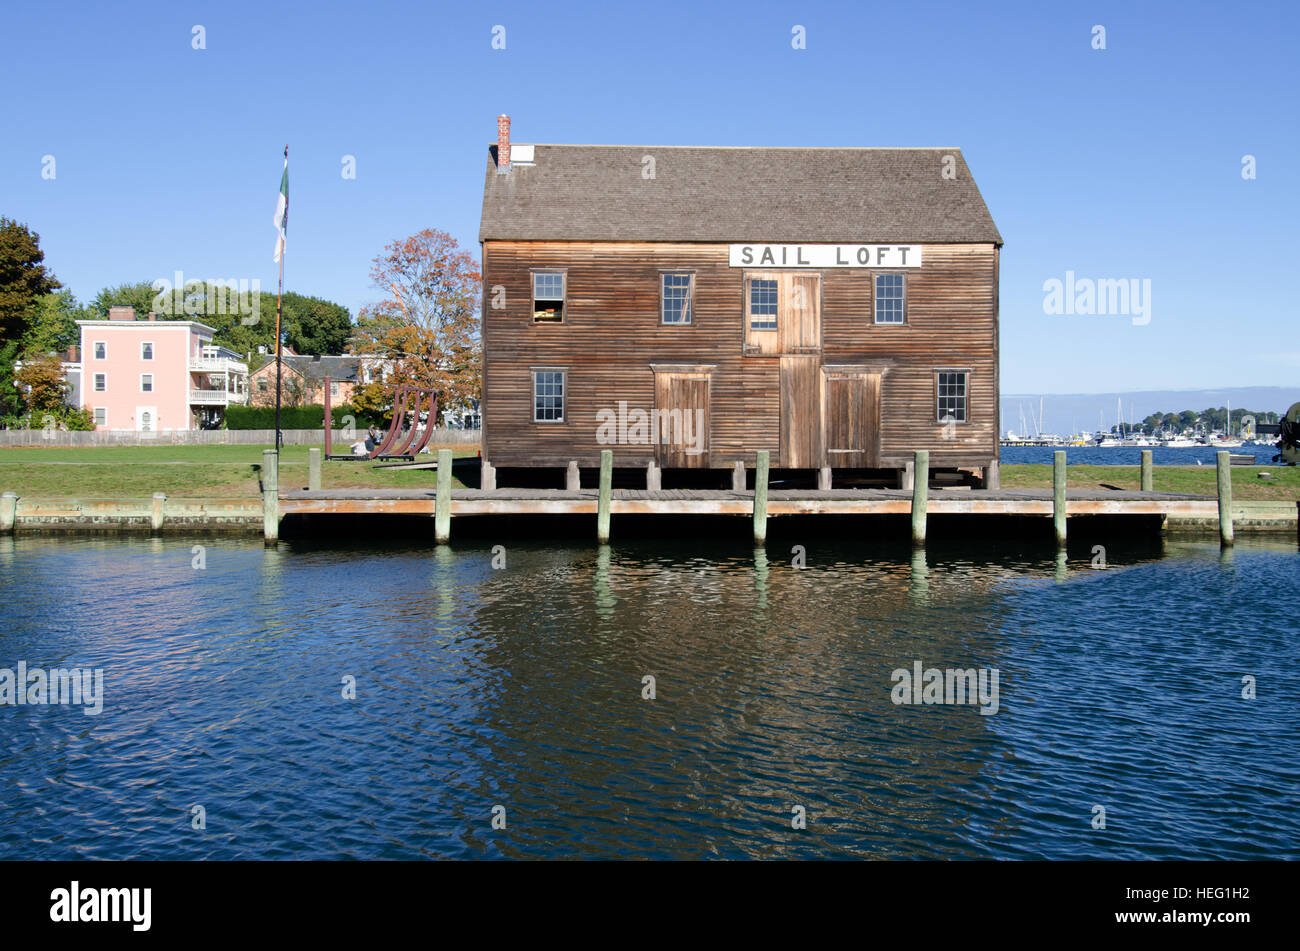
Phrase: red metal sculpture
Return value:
(407, 403)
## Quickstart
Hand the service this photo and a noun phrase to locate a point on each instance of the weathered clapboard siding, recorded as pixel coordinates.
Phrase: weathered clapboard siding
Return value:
(612, 333)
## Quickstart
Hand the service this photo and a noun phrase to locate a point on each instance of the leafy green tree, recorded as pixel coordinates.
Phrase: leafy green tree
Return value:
(139, 295)
(24, 278)
(54, 327)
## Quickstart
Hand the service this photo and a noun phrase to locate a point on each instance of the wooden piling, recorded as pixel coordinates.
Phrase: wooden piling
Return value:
(156, 512)
(8, 512)
(1058, 496)
(313, 469)
(824, 479)
(993, 475)
(606, 493)
(1225, 498)
(653, 477)
(572, 478)
(738, 477)
(1148, 480)
(487, 476)
(920, 494)
(442, 501)
(270, 497)
(760, 497)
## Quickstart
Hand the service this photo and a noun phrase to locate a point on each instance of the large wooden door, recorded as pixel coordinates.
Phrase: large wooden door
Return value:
(681, 427)
(851, 418)
(801, 445)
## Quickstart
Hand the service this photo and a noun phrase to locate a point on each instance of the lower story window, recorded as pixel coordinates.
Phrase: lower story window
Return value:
(146, 382)
(101, 416)
(548, 396)
(951, 391)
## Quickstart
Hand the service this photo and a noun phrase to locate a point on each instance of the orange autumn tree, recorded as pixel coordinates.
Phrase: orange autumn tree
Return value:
(427, 329)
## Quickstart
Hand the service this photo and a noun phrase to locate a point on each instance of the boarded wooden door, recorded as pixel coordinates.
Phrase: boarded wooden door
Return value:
(851, 418)
(800, 417)
(681, 427)
(800, 323)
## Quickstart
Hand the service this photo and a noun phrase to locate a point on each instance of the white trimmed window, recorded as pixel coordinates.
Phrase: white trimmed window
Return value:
(675, 298)
(146, 350)
(101, 416)
(890, 293)
(146, 382)
(101, 350)
(548, 297)
(548, 396)
(101, 382)
(951, 393)
(762, 304)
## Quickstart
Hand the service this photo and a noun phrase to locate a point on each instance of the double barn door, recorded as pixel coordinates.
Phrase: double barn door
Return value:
(830, 415)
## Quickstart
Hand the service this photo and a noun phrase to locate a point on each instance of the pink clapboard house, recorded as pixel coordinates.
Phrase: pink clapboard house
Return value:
(154, 375)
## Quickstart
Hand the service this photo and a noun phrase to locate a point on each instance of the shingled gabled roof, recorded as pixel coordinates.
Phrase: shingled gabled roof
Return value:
(598, 193)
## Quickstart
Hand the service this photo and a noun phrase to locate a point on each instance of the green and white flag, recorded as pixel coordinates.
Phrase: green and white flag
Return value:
(281, 219)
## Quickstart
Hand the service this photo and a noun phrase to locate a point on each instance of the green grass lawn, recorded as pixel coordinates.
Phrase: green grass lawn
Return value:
(1195, 480)
(187, 471)
(233, 471)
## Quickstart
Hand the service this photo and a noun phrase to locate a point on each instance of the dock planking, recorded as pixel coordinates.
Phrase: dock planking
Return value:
(992, 502)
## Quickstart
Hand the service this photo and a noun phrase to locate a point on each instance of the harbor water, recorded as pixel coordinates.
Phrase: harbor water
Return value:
(396, 700)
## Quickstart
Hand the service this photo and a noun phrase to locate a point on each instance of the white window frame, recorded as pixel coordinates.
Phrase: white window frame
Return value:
(100, 415)
(149, 344)
(94, 349)
(564, 392)
(875, 300)
(965, 396)
(142, 387)
(688, 311)
(564, 293)
(95, 378)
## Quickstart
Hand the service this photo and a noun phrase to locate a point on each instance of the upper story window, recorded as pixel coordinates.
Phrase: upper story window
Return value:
(762, 304)
(334, 387)
(146, 351)
(101, 382)
(146, 382)
(262, 385)
(548, 396)
(950, 390)
(101, 350)
(675, 305)
(889, 298)
(548, 297)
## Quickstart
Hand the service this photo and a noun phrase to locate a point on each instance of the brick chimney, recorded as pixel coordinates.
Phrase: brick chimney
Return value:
(152, 316)
(72, 353)
(121, 313)
(503, 144)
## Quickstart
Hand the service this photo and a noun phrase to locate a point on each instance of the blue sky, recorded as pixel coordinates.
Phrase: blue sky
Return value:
(1116, 163)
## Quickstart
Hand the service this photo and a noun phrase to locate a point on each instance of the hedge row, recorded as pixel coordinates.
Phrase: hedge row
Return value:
(291, 417)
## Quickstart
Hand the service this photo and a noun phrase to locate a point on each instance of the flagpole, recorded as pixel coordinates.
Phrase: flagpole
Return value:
(279, 296)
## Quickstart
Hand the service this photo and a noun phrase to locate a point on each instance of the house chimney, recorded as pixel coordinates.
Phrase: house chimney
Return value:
(503, 144)
(72, 353)
(121, 313)
(152, 316)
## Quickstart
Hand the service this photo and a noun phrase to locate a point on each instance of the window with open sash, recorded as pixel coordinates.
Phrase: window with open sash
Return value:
(548, 297)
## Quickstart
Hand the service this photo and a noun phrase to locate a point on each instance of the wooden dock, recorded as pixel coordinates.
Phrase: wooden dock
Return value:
(1014, 502)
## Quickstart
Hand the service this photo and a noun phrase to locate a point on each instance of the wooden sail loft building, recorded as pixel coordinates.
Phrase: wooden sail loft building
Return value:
(686, 307)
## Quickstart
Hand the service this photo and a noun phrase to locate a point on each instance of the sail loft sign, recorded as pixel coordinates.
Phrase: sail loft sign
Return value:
(825, 255)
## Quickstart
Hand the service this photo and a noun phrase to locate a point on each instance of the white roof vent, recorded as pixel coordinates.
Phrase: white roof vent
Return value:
(521, 155)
